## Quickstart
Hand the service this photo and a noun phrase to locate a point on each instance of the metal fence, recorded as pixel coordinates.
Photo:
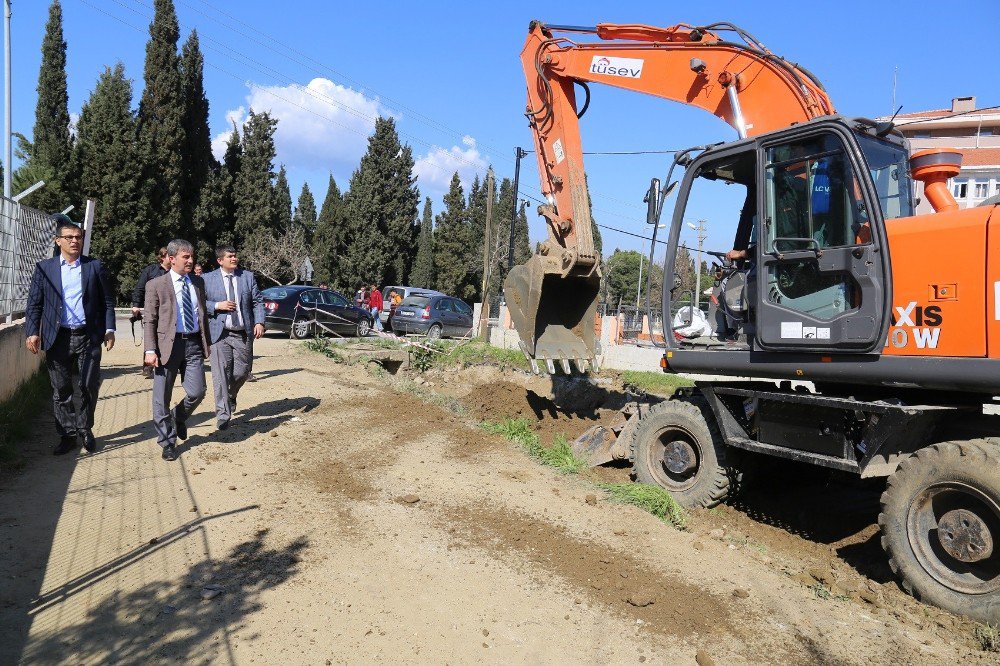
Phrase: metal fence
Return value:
(25, 239)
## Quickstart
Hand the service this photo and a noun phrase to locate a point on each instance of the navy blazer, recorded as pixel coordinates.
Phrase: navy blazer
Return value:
(43, 313)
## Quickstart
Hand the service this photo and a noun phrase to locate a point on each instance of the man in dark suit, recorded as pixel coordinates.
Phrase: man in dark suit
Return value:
(70, 311)
(139, 293)
(175, 334)
(235, 319)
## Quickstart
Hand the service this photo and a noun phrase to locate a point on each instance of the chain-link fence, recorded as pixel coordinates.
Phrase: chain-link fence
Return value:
(25, 239)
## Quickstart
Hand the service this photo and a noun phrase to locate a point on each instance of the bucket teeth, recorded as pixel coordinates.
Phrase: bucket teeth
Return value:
(534, 366)
(550, 364)
(565, 366)
(581, 365)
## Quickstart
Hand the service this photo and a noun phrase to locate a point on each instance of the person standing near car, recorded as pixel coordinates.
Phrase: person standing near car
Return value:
(375, 304)
(70, 311)
(139, 293)
(235, 319)
(176, 339)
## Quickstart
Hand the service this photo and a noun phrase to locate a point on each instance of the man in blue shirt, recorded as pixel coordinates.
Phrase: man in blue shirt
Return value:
(70, 311)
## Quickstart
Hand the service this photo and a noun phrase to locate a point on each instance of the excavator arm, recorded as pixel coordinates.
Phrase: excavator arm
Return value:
(552, 298)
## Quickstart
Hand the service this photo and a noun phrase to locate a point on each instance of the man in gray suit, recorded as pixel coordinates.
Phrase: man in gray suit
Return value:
(235, 319)
(175, 334)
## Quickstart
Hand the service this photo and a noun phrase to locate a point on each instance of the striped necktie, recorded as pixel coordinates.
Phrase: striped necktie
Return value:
(187, 306)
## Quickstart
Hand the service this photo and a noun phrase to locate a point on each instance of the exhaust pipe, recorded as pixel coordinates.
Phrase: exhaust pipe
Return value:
(933, 167)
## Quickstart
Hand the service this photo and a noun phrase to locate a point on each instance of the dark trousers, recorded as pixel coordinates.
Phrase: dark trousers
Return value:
(73, 353)
(187, 358)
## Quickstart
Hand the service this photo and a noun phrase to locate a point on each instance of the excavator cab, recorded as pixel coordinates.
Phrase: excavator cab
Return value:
(812, 273)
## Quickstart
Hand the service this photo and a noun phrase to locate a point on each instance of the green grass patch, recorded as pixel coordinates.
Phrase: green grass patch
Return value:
(988, 637)
(652, 499)
(657, 383)
(479, 352)
(326, 348)
(17, 414)
(559, 455)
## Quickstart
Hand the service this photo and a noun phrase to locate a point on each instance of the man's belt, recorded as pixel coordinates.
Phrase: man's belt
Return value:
(78, 329)
(190, 336)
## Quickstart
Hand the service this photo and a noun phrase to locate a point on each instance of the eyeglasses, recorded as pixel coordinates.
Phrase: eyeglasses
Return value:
(78, 239)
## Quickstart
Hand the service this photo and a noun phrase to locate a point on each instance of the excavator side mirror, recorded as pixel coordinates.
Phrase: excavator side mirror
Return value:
(652, 200)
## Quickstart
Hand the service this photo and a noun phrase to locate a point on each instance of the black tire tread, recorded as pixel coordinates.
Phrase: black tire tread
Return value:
(715, 488)
(981, 453)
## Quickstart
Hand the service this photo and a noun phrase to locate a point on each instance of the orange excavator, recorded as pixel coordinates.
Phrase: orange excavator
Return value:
(831, 279)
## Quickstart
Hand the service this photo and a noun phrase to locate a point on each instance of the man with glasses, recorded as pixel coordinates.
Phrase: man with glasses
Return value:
(70, 311)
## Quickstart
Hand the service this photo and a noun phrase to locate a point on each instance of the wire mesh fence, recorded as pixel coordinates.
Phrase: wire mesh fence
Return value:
(25, 239)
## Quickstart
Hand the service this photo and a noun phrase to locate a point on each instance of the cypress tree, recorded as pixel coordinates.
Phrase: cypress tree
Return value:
(109, 173)
(198, 159)
(253, 188)
(232, 160)
(381, 208)
(328, 247)
(305, 214)
(49, 155)
(451, 242)
(209, 220)
(423, 266)
(161, 122)
(522, 248)
(282, 203)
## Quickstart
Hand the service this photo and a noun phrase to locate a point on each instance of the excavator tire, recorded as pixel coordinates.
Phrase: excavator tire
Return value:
(940, 523)
(677, 446)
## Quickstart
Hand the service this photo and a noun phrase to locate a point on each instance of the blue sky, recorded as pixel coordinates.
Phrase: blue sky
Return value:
(450, 75)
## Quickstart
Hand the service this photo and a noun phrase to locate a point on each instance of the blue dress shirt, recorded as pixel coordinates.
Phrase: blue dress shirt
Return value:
(180, 282)
(72, 292)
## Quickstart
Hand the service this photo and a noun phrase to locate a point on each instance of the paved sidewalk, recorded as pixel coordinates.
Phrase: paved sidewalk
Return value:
(103, 538)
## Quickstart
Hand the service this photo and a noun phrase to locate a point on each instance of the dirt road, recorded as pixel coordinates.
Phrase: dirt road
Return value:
(350, 516)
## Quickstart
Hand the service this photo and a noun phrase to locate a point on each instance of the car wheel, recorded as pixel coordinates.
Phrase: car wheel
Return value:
(301, 329)
(434, 332)
(363, 327)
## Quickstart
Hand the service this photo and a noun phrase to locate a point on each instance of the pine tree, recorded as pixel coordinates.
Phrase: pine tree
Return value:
(49, 155)
(161, 122)
(305, 214)
(381, 208)
(199, 162)
(451, 242)
(282, 203)
(109, 173)
(253, 190)
(329, 242)
(423, 266)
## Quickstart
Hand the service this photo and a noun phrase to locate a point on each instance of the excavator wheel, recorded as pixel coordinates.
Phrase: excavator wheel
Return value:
(940, 523)
(677, 447)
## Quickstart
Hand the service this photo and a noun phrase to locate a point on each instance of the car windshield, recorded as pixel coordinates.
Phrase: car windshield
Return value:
(274, 293)
(415, 301)
(890, 171)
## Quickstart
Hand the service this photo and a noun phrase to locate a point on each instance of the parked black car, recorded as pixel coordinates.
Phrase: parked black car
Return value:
(332, 309)
(435, 316)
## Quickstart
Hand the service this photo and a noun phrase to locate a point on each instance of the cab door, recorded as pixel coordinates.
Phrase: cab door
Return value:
(822, 270)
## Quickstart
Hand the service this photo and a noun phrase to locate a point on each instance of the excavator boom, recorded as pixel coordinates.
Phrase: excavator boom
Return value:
(552, 298)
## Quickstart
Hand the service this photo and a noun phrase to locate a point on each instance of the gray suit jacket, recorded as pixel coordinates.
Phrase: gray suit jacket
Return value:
(250, 302)
(159, 316)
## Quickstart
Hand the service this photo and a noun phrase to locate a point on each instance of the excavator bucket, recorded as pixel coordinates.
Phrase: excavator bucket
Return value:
(554, 314)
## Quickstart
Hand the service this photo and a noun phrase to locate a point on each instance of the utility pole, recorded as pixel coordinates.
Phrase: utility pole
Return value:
(484, 308)
(697, 264)
(8, 165)
(518, 154)
(638, 289)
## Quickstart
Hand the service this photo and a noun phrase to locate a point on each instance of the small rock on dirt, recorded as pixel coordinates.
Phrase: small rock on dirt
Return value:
(717, 533)
(486, 632)
(640, 600)
(274, 433)
(698, 545)
(409, 499)
(210, 592)
(232, 487)
(591, 499)
(704, 659)
(740, 593)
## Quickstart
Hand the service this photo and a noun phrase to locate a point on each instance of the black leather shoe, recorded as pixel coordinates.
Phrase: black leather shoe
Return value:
(89, 441)
(66, 444)
(223, 425)
(169, 452)
(180, 426)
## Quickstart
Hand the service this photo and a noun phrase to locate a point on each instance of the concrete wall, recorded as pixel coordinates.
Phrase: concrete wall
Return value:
(17, 364)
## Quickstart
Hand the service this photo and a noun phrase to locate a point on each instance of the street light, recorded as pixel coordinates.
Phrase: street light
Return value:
(697, 266)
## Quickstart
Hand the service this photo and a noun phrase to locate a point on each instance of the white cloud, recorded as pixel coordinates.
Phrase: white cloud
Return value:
(322, 125)
(435, 169)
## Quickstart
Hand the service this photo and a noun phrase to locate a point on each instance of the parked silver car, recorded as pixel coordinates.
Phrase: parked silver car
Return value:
(388, 308)
(436, 316)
